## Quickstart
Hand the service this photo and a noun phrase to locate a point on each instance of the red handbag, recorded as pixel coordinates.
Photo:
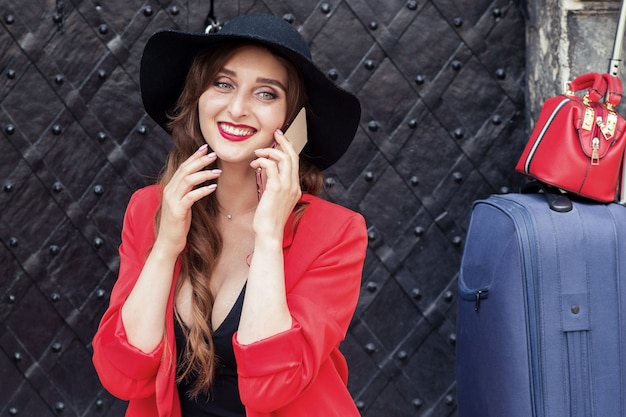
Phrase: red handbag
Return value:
(578, 143)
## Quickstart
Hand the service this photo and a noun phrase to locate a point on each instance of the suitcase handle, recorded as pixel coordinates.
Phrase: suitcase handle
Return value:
(557, 201)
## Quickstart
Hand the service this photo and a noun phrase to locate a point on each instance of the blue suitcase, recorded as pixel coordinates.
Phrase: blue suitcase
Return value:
(541, 310)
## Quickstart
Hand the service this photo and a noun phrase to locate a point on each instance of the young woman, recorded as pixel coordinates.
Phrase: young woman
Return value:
(236, 283)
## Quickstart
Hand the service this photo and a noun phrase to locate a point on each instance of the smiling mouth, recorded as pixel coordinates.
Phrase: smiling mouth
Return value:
(235, 133)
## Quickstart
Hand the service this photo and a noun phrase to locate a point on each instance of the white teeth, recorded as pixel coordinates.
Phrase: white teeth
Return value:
(236, 130)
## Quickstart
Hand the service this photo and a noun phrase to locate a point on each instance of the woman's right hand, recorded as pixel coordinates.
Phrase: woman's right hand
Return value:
(180, 193)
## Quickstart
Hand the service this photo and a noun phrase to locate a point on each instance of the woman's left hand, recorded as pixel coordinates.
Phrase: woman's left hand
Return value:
(280, 171)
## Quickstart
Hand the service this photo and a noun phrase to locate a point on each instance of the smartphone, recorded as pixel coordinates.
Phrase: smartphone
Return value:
(297, 132)
(297, 135)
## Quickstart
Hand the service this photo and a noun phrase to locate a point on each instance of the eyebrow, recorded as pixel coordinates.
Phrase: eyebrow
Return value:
(263, 80)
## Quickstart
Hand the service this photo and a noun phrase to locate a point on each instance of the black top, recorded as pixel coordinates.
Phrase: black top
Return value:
(223, 399)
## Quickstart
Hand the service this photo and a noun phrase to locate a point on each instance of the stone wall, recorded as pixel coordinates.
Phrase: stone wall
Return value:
(566, 38)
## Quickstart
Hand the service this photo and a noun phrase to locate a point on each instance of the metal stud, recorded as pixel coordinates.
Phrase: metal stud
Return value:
(370, 348)
(13, 242)
(9, 19)
(333, 74)
(103, 29)
(55, 296)
(98, 190)
(369, 64)
(99, 403)
(17, 356)
(54, 250)
(416, 294)
(369, 176)
(402, 355)
(101, 136)
(497, 12)
(11, 74)
(419, 79)
(372, 126)
(412, 123)
(457, 22)
(330, 182)
(457, 177)
(13, 411)
(504, 190)
(142, 130)
(500, 74)
(452, 339)
(57, 129)
(8, 187)
(100, 293)
(11, 299)
(148, 11)
(58, 79)
(57, 187)
(373, 25)
(56, 347)
(419, 231)
(414, 181)
(448, 296)
(496, 119)
(456, 65)
(9, 129)
(372, 235)
(174, 10)
(360, 405)
(457, 240)
(325, 8)
(98, 242)
(417, 402)
(371, 286)
(289, 18)
(411, 5)
(59, 406)
(102, 74)
(448, 400)
(458, 133)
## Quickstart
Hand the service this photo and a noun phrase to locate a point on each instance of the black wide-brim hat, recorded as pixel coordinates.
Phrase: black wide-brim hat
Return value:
(333, 114)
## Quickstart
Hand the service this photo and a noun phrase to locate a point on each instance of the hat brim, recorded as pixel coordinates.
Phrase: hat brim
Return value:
(333, 114)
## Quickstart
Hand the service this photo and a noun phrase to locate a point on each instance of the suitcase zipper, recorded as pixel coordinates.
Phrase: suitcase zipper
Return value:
(476, 296)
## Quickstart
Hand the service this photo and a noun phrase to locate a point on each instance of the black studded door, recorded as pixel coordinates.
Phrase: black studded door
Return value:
(441, 85)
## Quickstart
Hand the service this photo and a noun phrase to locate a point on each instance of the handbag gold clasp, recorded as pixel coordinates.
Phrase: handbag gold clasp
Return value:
(608, 128)
(589, 118)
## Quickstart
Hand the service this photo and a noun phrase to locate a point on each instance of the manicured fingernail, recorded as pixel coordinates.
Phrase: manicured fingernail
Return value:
(279, 131)
(203, 147)
(212, 186)
(216, 171)
(211, 155)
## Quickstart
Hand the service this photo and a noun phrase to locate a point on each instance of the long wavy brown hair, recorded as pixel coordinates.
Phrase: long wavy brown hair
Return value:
(204, 242)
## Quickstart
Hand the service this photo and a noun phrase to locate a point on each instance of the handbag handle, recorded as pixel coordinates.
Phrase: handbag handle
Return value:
(595, 84)
(614, 91)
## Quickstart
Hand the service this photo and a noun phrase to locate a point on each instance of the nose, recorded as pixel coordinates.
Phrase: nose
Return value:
(238, 106)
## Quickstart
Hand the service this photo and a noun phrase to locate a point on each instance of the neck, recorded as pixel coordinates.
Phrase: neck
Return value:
(236, 191)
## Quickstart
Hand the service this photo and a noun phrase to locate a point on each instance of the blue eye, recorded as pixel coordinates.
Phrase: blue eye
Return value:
(222, 84)
(268, 95)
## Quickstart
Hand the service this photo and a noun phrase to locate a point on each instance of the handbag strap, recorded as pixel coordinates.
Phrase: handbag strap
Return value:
(595, 84)
(614, 85)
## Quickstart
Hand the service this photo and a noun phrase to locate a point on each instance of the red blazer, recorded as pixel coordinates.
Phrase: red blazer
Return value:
(299, 372)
